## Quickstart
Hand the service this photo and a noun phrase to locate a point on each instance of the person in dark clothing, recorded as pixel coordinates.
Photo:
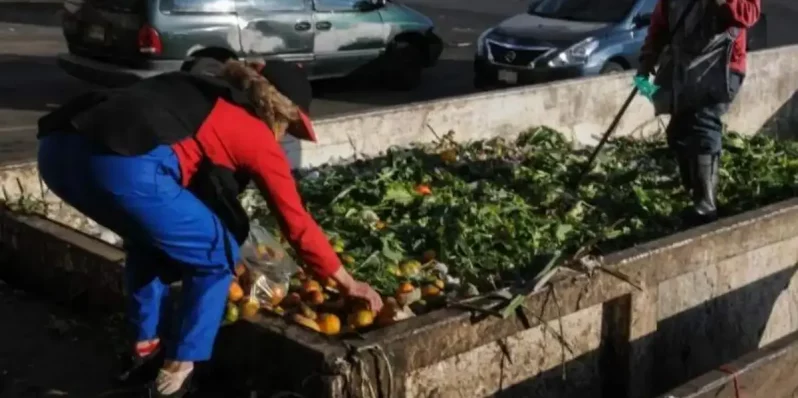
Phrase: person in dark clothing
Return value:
(161, 163)
(700, 46)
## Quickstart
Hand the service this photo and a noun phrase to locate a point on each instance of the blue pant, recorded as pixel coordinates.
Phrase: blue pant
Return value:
(164, 226)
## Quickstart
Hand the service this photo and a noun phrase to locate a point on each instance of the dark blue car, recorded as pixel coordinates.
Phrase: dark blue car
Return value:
(559, 39)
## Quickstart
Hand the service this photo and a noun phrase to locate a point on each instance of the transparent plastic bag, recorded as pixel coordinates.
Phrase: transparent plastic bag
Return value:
(265, 268)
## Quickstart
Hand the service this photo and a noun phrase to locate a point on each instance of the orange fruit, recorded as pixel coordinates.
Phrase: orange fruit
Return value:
(249, 308)
(405, 287)
(241, 269)
(430, 290)
(361, 318)
(262, 249)
(315, 297)
(306, 322)
(307, 312)
(329, 324)
(423, 189)
(347, 259)
(278, 294)
(231, 313)
(449, 156)
(311, 286)
(410, 268)
(235, 292)
(330, 283)
(380, 225)
(394, 270)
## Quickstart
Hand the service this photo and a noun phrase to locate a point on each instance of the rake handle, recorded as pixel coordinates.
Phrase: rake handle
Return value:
(589, 164)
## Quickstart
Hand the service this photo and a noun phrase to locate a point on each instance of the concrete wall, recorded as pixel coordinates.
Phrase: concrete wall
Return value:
(582, 109)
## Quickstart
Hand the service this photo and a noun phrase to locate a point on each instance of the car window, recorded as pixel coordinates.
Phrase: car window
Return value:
(338, 5)
(273, 5)
(648, 6)
(196, 6)
(583, 10)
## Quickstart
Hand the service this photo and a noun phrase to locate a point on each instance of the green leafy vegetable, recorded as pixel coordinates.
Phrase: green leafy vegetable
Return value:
(499, 210)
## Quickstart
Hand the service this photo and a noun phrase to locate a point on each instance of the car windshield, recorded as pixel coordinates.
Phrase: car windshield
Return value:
(583, 10)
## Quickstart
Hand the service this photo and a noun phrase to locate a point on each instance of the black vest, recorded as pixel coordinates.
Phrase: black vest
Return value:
(161, 110)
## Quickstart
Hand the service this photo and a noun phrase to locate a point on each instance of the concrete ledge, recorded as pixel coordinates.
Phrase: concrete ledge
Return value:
(580, 108)
(767, 372)
(50, 257)
(79, 270)
(606, 322)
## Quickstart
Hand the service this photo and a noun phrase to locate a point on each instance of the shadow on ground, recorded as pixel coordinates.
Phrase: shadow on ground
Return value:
(36, 83)
(29, 13)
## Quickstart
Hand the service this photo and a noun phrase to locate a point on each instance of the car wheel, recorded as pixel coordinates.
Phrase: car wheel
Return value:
(403, 66)
(612, 67)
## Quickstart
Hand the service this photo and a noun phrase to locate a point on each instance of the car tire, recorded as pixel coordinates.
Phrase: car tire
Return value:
(404, 64)
(611, 67)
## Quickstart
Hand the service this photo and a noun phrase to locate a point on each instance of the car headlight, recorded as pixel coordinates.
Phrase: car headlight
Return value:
(576, 54)
(481, 41)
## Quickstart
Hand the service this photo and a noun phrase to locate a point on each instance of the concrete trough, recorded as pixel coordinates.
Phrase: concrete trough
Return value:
(696, 300)
(767, 372)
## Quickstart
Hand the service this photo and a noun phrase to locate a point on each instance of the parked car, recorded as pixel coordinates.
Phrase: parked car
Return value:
(559, 39)
(116, 42)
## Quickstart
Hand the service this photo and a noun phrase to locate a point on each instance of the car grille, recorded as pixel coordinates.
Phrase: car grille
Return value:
(515, 57)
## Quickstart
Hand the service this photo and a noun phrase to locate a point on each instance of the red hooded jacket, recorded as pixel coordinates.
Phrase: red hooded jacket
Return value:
(740, 13)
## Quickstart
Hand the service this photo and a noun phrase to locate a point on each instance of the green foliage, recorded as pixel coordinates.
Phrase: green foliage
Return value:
(498, 211)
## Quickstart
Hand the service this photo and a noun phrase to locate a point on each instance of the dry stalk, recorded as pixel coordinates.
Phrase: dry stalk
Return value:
(562, 331)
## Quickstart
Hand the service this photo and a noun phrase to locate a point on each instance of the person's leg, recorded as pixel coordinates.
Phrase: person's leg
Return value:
(145, 291)
(64, 165)
(677, 137)
(177, 223)
(706, 148)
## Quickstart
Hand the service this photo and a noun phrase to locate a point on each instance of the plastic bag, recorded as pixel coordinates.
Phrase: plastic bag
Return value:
(265, 269)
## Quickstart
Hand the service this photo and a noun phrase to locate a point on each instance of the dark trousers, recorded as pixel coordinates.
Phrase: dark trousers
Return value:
(699, 131)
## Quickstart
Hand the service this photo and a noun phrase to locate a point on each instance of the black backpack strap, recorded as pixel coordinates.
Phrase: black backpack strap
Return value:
(220, 194)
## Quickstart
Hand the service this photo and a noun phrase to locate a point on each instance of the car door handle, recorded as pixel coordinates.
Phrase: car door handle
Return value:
(323, 25)
(304, 25)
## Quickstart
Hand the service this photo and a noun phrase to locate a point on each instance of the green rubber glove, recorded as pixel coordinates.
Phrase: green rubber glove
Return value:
(645, 87)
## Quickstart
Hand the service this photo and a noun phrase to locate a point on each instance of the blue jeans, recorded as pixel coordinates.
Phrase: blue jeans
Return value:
(699, 131)
(164, 227)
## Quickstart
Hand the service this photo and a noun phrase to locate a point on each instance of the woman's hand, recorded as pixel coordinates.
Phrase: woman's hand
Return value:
(358, 289)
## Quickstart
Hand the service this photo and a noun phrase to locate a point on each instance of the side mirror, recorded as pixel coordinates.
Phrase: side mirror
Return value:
(642, 20)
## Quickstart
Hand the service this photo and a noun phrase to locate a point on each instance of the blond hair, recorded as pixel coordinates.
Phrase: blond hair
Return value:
(270, 105)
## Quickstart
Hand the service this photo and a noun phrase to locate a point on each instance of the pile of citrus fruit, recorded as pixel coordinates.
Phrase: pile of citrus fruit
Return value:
(321, 306)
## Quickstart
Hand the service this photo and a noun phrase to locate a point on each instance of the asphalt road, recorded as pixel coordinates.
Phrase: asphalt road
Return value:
(31, 83)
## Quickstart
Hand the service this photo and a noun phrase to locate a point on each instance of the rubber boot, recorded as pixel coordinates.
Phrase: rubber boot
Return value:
(685, 173)
(704, 188)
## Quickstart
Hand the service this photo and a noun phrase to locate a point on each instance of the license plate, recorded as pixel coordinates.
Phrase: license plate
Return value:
(508, 76)
(95, 32)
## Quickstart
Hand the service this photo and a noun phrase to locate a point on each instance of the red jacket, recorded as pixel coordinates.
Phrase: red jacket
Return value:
(740, 13)
(235, 139)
